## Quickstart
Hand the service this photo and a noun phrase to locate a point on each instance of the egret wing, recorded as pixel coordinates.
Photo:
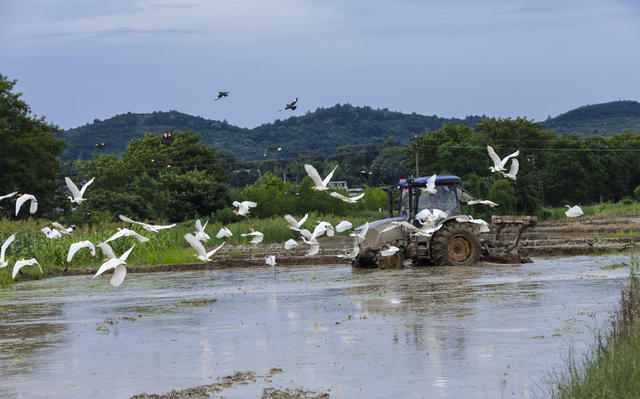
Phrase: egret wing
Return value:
(107, 250)
(213, 251)
(329, 176)
(84, 188)
(6, 244)
(494, 157)
(197, 245)
(73, 188)
(119, 273)
(313, 174)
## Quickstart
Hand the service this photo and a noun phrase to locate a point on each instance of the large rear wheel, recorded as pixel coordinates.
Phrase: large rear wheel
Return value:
(455, 244)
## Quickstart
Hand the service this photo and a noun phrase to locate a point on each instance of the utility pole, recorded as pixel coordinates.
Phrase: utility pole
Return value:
(415, 147)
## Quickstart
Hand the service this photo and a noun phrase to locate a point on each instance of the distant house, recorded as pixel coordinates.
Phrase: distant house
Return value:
(343, 184)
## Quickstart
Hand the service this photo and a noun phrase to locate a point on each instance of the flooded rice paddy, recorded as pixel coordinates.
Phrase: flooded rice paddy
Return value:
(485, 331)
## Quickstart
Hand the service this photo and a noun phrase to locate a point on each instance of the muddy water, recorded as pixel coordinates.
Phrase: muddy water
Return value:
(418, 332)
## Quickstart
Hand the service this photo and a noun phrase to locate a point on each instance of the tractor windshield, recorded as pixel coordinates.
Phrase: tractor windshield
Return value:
(445, 199)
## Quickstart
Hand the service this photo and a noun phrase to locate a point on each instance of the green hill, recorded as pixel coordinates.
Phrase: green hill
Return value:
(599, 119)
(322, 131)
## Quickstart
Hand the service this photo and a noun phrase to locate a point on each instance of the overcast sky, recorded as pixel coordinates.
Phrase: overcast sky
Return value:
(76, 60)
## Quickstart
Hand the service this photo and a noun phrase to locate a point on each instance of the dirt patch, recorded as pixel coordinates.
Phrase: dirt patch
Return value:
(239, 378)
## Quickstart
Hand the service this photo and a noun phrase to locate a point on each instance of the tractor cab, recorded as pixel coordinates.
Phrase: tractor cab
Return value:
(414, 199)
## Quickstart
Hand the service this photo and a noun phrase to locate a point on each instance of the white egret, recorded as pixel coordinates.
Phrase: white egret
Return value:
(107, 250)
(499, 164)
(21, 263)
(76, 246)
(431, 185)
(202, 253)
(224, 232)
(350, 200)
(77, 194)
(482, 225)
(257, 236)
(62, 229)
(200, 233)
(127, 233)
(343, 226)
(243, 207)
(389, 251)
(8, 195)
(314, 246)
(321, 228)
(360, 235)
(33, 207)
(50, 233)
(393, 225)
(7, 242)
(149, 227)
(320, 185)
(482, 202)
(354, 253)
(574, 212)
(431, 215)
(119, 268)
(290, 244)
(271, 261)
(515, 165)
(295, 224)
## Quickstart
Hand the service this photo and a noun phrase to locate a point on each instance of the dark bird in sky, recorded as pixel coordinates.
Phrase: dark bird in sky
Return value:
(222, 94)
(366, 174)
(167, 137)
(292, 105)
(100, 146)
(273, 149)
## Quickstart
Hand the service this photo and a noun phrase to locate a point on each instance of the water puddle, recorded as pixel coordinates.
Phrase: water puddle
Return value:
(423, 331)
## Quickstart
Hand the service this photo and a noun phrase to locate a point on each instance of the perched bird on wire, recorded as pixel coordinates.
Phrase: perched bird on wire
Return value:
(222, 94)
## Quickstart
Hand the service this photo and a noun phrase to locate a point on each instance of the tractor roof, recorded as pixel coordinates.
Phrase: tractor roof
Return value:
(440, 179)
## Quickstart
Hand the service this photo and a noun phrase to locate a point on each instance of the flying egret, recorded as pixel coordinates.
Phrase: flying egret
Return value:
(77, 194)
(389, 251)
(224, 232)
(149, 227)
(7, 242)
(295, 224)
(271, 261)
(343, 226)
(499, 164)
(431, 185)
(321, 228)
(243, 207)
(305, 233)
(360, 233)
(107, 250)
(8, 195)
(50, 233)
(354, 253)
(257, 236)
(127, 233)
(314, 246)
(290, 244)
(482, 202)
(574, 212)
(200, 234)
(119, 268)
(482, 225)
(320, 185)
(431, 215)
(21, 263)
(76, 246)
(202, 253)
(62, 229)
(515, 165)
(350, 200)
(24, 198)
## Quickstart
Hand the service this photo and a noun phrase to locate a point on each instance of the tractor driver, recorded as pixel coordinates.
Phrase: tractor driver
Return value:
(433, 201)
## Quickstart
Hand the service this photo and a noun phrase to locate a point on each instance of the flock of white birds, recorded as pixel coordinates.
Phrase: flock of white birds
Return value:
(427, 218)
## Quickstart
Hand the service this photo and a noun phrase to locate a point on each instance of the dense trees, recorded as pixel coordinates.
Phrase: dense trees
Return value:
(554, 169)
(28, 149)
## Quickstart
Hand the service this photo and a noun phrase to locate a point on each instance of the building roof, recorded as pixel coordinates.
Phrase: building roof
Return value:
(440, 179)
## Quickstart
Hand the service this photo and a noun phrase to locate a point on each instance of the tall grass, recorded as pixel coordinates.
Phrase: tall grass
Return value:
(612, 369)
(165, 247)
